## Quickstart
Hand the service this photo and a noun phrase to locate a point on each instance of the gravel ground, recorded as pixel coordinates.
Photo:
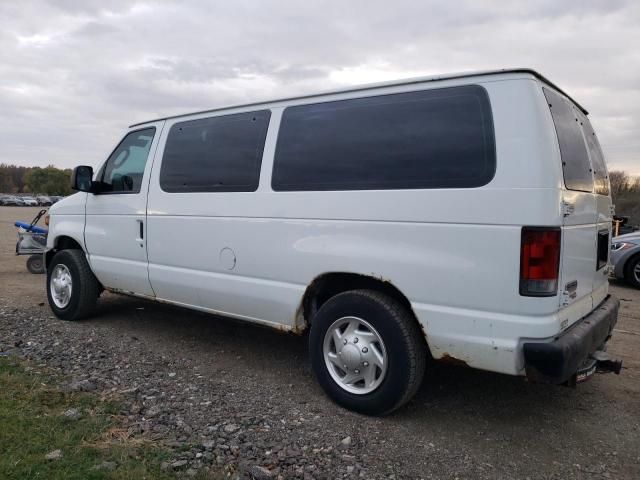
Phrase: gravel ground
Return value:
(240, 398)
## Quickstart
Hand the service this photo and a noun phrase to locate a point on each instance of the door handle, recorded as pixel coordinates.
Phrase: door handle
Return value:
(141, 232)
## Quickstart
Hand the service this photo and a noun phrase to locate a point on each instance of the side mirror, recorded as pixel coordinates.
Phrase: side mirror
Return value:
(82, 179)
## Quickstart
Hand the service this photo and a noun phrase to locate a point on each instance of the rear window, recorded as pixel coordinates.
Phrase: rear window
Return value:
(439, 138)
(216, 154)
(575, 159)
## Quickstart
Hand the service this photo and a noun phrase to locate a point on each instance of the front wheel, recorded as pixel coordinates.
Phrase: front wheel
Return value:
(72, 288)
(367, 351)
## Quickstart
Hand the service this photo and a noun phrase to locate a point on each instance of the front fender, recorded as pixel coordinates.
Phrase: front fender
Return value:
(65, 231)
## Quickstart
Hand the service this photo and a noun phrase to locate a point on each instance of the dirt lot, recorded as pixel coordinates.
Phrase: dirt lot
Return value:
(234, 396)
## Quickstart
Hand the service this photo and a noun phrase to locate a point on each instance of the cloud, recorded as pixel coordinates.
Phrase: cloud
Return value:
(75, 74)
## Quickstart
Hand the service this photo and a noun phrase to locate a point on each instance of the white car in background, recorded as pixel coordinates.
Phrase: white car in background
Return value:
(29, 201)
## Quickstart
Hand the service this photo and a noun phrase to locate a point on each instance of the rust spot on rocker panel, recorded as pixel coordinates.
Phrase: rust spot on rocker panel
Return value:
(120, 291)
(449, 360)
(296, 329)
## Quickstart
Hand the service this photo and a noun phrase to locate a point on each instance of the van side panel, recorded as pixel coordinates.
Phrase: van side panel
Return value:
(453, 252)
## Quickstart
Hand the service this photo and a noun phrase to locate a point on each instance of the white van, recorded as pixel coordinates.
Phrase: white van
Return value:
(462, 218)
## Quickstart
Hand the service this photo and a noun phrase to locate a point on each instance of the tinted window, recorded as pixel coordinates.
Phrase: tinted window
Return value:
(575, 160)
(430, 139)
(123, 171)
(600, 175)
(216, 154)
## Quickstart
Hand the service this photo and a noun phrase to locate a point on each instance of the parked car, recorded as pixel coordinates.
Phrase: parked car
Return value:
(29, 201)
(462, 218)
(11, 200)
(625, 257)
(43, 200)
(55, 198)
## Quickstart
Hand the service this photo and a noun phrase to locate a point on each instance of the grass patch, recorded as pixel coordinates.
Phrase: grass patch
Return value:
(32, 424)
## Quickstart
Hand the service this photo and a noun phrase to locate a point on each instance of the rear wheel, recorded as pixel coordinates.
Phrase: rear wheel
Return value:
(35, 264)
(632, 271)
(367, 351)
(72, 288)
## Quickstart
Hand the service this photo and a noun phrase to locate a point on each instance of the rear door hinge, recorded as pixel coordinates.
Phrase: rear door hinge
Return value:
(569, 293)
(567, 208)
(612, 209)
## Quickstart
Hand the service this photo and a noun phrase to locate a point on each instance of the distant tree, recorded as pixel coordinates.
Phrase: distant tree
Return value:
(49, 180)
(619, 182)
(6, 182)
(12, 178)
(625, 194)
(17, 176)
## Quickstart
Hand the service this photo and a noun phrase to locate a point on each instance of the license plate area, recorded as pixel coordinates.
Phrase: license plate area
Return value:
(586, 371)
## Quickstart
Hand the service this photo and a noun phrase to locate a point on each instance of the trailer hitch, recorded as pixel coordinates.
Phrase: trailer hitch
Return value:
(606, 363)
(599, 361)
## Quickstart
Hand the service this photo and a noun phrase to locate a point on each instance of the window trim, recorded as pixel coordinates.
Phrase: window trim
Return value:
(259, 152)
(487, 120)
(103, 168)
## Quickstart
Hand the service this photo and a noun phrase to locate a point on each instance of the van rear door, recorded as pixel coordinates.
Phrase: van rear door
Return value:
(604, 210)
(582, 281)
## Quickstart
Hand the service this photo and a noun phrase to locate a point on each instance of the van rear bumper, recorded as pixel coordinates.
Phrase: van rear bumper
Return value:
(557, 361)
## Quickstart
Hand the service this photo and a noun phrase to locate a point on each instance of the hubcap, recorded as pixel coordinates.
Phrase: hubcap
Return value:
(636, 272)
(355, 355)
(60, 286)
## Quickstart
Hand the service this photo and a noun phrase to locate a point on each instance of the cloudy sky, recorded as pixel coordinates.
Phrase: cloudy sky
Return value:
(75, 74)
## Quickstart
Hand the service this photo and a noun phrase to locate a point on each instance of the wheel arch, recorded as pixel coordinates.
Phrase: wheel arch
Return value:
(62, 242)
(329, 284)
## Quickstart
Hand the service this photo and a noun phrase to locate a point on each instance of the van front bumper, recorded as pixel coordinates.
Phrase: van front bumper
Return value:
(558, 361)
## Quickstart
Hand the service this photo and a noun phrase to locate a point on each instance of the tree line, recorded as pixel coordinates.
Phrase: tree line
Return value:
(625, 194)
(37, 180)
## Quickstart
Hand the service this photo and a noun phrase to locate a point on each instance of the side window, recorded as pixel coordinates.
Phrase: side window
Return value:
(216, 154)
(575, 159)
(122, 173)
(439, 138)
(600, 175)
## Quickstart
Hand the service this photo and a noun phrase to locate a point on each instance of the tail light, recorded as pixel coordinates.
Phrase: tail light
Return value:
(539, 261)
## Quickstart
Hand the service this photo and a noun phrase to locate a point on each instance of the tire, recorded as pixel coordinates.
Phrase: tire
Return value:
(84, 290)
(402, 341)
(633, 265)
(35, 264)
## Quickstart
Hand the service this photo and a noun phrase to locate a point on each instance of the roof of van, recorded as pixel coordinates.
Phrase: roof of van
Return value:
(357, 88)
